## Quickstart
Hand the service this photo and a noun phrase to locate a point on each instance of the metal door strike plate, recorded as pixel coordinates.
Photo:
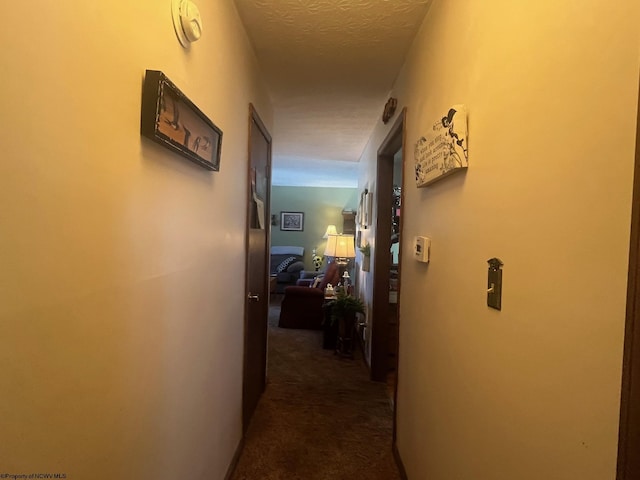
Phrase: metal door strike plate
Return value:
(494, 283)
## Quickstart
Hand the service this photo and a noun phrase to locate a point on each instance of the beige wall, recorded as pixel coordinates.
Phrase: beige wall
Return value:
(321, 206)
(121, 312)
(531, 392)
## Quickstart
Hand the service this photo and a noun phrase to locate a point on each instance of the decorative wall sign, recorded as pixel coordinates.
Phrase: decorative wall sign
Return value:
(443, 150)
(169, 118)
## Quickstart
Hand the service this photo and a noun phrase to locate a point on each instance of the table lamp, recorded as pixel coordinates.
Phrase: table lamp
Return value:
(331, 230)
(341, 248)
(345, 282)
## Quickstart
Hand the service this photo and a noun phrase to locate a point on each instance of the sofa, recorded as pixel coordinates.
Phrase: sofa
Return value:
(302, 305)
(286, 263)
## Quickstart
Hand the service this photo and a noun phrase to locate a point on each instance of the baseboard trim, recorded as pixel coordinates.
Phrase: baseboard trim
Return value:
(396, 456)
(235, 459)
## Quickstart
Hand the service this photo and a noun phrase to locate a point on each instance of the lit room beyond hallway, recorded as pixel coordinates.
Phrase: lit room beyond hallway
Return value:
(320, 416)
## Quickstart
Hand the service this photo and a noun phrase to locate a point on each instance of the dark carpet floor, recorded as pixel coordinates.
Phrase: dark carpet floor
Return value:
(319, 418)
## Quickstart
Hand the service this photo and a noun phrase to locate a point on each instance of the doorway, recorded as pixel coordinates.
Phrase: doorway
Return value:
(385, 319)
(257, 269)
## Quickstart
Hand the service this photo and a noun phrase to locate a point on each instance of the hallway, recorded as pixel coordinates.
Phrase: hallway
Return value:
(319, 418)
(124, 264)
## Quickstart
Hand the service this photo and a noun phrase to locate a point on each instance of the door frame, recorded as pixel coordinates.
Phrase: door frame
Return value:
(629, 432)
(394, 141)
(254, 119)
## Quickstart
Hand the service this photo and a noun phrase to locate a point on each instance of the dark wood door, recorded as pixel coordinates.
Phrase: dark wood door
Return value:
(629, 441)
(257, 272)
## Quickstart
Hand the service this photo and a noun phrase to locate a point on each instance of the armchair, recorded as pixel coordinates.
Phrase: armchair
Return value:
(302, 306)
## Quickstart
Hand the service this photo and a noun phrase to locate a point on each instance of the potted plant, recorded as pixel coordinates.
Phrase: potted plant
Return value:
(366, 256)
(343, 315)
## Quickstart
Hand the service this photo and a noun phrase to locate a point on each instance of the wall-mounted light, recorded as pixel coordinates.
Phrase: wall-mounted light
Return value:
(186, 21)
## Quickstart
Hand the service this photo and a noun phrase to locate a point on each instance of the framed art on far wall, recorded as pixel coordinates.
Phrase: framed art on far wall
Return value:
(292, 221)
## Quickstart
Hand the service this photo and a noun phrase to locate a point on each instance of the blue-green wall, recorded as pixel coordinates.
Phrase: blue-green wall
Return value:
(321, 207)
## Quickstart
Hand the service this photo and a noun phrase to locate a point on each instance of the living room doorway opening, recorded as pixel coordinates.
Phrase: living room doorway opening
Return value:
(387, 258)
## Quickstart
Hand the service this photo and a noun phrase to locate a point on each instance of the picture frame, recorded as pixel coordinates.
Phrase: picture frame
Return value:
(169, 118)
(364, 209)
(292, 221)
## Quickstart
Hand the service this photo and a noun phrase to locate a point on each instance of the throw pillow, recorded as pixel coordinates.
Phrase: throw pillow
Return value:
(285, 263)
(295, 267)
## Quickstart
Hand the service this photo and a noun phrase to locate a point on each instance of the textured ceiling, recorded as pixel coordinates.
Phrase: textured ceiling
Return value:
(329, 66)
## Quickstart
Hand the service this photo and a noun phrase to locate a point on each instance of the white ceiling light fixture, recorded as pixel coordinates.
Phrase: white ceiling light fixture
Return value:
(186, 21)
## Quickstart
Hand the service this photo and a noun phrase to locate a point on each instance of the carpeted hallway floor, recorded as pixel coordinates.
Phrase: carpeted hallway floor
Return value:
(319, 418)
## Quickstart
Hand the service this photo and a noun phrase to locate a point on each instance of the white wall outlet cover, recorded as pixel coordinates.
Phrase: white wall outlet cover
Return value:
(186, 21)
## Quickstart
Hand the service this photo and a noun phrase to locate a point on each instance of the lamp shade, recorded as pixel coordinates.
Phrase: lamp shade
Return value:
(340, 246)
(331, 230)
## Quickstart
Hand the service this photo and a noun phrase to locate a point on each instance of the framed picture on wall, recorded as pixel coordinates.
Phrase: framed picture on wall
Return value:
(169, 118)
(292, 221)
(364, 209)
